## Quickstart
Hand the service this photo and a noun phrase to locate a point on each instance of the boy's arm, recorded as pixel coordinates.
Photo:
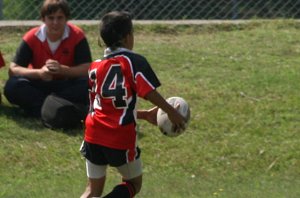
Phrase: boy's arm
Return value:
(176, 118)
(148, 115)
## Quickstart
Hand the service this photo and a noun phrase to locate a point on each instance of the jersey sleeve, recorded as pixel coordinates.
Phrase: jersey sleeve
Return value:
(82, 52)
(23, 55)
(146, 79)
(2, 62)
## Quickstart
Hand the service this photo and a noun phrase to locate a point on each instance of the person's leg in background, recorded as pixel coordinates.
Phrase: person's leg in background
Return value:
(74, 90)
(28, 95)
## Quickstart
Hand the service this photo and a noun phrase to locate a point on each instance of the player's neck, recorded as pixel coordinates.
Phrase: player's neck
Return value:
(54, 38)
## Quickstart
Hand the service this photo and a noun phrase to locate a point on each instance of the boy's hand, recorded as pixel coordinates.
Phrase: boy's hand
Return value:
(152, 115)
(179, 122)
(149, 115)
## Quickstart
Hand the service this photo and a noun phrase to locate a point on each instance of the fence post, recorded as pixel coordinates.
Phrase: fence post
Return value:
(1, 8)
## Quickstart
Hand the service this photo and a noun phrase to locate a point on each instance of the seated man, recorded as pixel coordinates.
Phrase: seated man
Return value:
(48, 75)
(2, 64)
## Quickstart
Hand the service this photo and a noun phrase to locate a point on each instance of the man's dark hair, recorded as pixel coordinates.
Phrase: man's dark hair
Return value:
(114, 26)
(52, 6)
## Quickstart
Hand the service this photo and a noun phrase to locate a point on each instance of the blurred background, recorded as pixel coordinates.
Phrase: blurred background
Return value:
(161, 9)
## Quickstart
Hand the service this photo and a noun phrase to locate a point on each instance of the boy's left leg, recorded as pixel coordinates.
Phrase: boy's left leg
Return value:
(127, 189)
(132, 180)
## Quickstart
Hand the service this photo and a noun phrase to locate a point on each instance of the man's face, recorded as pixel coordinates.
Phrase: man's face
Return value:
(55, 23)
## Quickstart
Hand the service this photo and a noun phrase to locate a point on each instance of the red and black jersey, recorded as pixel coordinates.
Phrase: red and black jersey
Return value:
(115, 83)
(2, 62)
(34, 49)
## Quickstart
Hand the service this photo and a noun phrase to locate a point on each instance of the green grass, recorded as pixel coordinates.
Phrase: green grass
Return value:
(242, 83)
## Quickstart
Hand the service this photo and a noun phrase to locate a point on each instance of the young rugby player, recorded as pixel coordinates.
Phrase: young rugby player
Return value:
(115, 83)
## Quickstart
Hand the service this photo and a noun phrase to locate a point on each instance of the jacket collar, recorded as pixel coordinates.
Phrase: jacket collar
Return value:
(109, 51)
(42, 35)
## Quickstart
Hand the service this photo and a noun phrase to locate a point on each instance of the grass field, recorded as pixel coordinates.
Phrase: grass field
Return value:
(243, 85)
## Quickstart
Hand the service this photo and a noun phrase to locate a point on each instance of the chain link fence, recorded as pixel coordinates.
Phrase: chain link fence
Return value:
(161, 9)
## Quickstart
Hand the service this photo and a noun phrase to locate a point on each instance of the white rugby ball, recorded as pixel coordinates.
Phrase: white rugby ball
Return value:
(163, 122)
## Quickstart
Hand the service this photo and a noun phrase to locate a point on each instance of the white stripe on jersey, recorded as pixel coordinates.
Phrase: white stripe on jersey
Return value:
(146, 80)
(124, 111)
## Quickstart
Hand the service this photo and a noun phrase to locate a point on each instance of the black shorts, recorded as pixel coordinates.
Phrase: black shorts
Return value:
(102, 155)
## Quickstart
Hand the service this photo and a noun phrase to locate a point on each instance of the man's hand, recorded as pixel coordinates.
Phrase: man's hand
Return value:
(45, 75)
(53, 66)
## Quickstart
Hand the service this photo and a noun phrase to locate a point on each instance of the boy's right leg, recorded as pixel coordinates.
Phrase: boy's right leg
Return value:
(96, 180)
(94, 188)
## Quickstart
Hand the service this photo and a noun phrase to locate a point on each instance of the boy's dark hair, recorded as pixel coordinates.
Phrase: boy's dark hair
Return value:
(52, 6)
(114, 26)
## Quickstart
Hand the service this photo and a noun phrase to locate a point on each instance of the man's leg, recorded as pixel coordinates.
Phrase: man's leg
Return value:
(75, 90)
(22, 92)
